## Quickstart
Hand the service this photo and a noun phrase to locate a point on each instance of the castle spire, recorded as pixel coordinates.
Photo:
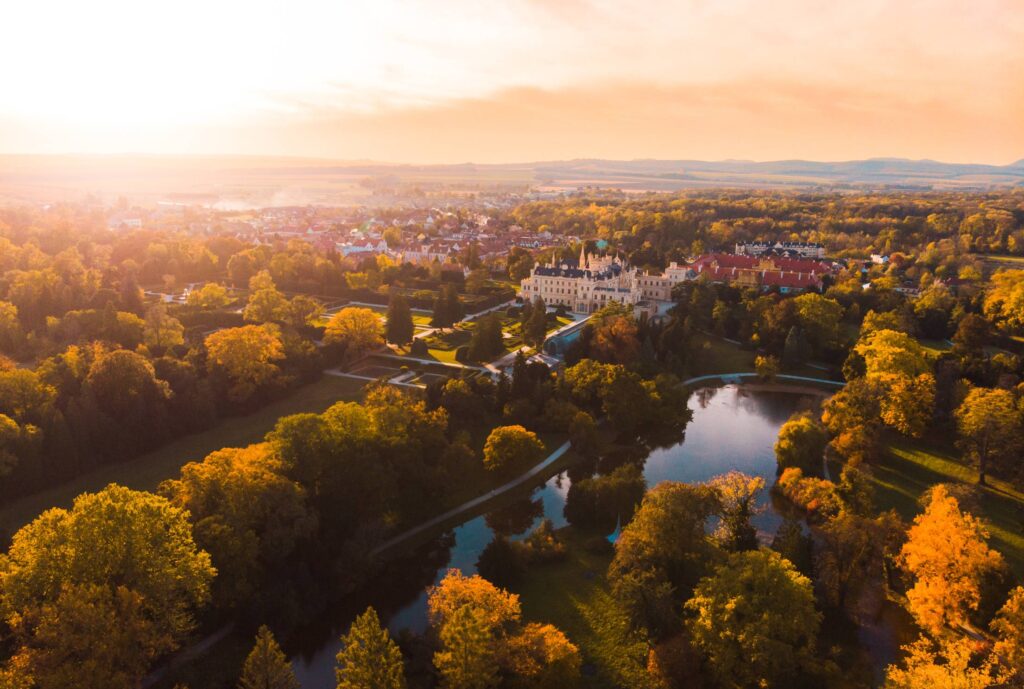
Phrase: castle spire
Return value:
(583, 256)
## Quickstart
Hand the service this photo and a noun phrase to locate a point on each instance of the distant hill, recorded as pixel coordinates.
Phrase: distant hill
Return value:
(246, 181)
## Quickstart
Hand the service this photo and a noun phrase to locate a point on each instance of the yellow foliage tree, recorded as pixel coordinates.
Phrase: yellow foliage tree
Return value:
(947, 554)
(247, 355)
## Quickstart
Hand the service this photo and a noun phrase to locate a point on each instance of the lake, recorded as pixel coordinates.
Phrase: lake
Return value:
(733, 427)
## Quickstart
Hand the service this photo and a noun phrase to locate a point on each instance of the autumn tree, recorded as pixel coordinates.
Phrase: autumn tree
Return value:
(247, 515)
(369, 658)
(356, 329)
(754, 621)
(737, 497)
(819, 319)
(399, 325)
(944, 664)
(991, 427)
(120, 567)
(615, 337)
(267, 667)
(1008, 626)
(888, 352)
(947, 555)
(210, 296)
(512, 446)
(246, 355)
(1004, 300)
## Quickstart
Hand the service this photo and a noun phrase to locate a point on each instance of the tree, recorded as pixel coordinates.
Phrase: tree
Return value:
(162, 330)
(1009, 628)
(947, 554)
(767, 367)
(399, 325)
(457, 590)
(356, 329)
(754, 620)
(615, 334)
(266, 304)
(210, 296)
(545, 657)
(267, 667)
(990, 427)
(487, 341)
(120, 568)
(535, 328)
(819, 319)
(668, 535)
(1004, 301)
(247, 355)
(369, 658)
(737, 494)
(447, 307)
(946, 664)
(801, 444)
(512, 446)
(247, 515)
(302, 311)
(892, 352)
(12, 337)
(908, 402)
(467, 659)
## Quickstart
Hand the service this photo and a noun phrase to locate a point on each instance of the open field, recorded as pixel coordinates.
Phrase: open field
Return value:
(908, 469)
(147, 471)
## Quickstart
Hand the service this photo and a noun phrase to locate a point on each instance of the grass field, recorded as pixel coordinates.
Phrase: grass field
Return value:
(147, 471)
(908, 469)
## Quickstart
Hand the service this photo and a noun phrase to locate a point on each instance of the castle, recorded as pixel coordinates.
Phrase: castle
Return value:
(586, 285)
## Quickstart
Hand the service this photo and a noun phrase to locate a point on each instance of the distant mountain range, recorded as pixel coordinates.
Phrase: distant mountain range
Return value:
(245, 181)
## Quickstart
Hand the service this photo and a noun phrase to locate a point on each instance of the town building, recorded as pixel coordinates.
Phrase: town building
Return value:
(804, 249)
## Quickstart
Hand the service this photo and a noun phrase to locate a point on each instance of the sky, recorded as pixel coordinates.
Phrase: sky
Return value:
(450, 81)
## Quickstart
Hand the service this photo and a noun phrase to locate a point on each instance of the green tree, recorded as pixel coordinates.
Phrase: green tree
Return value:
(819, 319)
(990, 426)
(535, 329)
(512, 446)
(467, 658)
(754, 621)
(302, 311)
(267, 667)
(487, 341)
(162, 330)
(266, 304)
(801, 444)
(369, 658)
(399, 327)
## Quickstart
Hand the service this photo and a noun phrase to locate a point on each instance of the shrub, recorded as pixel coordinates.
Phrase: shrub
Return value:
(419, 348)
(815, 496)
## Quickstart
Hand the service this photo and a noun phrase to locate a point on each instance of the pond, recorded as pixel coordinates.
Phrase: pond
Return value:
(733, 427)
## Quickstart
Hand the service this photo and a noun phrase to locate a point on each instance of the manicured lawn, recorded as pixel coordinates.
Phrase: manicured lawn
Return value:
(573, 595)
(147, 471)
(908, 469)
(719, 356)
(935, 348)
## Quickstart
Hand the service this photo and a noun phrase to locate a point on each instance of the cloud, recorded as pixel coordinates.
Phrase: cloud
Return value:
(753, 118)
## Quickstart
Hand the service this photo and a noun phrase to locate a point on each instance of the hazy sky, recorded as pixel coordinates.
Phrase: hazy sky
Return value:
(490, 81)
